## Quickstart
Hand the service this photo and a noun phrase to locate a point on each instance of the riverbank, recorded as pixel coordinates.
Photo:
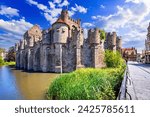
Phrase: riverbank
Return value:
(3, 63)
(19, 85)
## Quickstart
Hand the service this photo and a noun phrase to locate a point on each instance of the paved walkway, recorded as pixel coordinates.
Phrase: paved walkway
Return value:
(139, 74)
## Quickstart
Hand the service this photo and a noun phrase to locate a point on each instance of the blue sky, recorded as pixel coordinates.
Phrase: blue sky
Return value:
(129, 18)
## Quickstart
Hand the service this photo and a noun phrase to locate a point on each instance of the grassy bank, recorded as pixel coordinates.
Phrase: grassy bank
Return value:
(9, 63)
(3, 63)
(87, 84)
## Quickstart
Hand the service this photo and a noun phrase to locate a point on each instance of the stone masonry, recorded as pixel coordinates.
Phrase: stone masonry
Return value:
(62, 47)
(113, 42)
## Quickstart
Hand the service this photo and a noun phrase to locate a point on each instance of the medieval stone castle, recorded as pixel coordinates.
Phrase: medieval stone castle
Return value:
(63, 48)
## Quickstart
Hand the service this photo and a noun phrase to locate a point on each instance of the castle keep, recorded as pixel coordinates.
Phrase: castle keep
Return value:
(63, 48)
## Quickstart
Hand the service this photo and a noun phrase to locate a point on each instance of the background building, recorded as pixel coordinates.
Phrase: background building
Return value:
(129, 54)
(2, 53)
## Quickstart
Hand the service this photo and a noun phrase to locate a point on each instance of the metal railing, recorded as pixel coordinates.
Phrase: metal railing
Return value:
(123, 89)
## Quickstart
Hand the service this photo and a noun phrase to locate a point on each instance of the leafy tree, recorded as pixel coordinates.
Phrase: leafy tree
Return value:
(11, 54)
(1, 61)
(114, 59)
(102, 35)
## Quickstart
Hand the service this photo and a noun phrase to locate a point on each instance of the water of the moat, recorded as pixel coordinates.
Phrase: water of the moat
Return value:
(18, 84)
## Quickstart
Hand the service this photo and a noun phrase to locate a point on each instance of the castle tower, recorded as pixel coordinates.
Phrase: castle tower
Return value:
(60, 37)
(45, 50)
(118, 43)
(33, 35)
(65, 30)
(22, 44)
(22, 47)
(114, 36)
(97, 48)
(17, 55)
(78, 49)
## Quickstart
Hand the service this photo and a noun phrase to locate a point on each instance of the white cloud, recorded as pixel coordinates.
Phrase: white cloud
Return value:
(87, 25)
(79, 8)
(40, 6)
(134, 1)
(71, 13)
(49, 18)
(51, 13)
(129, 21)
(57, 1)
(8, 11)
(102, 6)
(52, 5)
(15, 26)
(13, 31)
(65, 3)
(6, 41)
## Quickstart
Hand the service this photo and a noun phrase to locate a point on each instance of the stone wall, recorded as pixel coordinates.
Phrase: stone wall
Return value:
(113, 42)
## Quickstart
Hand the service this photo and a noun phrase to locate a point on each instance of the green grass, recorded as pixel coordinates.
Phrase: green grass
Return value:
(87, 84)
(10, 63)
(3, 63)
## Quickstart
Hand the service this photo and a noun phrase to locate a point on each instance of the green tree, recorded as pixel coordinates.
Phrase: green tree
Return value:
(114, 59)
(11, 54)
(1, 61)
(102, 35)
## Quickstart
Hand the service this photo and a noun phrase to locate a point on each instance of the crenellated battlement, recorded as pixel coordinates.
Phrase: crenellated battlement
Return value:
(113, 42)
(94, 36)
(78, 21)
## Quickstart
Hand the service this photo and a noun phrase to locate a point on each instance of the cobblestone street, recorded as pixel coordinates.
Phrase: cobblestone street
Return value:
(140, 76)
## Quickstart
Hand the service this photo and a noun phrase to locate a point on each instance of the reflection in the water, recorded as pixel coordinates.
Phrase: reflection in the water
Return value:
(16, 84)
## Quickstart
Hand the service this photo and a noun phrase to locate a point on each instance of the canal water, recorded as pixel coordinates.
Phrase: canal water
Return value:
(19, 85)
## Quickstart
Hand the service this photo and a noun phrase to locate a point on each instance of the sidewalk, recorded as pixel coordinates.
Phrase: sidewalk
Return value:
(139, 74)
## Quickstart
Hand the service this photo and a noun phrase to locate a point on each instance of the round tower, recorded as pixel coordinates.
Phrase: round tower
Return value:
(114, 36)
(61, 32)
(16, 47)
(30, 41)
(22, 44)
(119, 42)
(94, 36)
(45, 37)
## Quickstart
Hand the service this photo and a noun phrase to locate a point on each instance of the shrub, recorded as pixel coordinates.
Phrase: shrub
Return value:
(1, 61)
(86, 84)
(11, 63)
(114, 59)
